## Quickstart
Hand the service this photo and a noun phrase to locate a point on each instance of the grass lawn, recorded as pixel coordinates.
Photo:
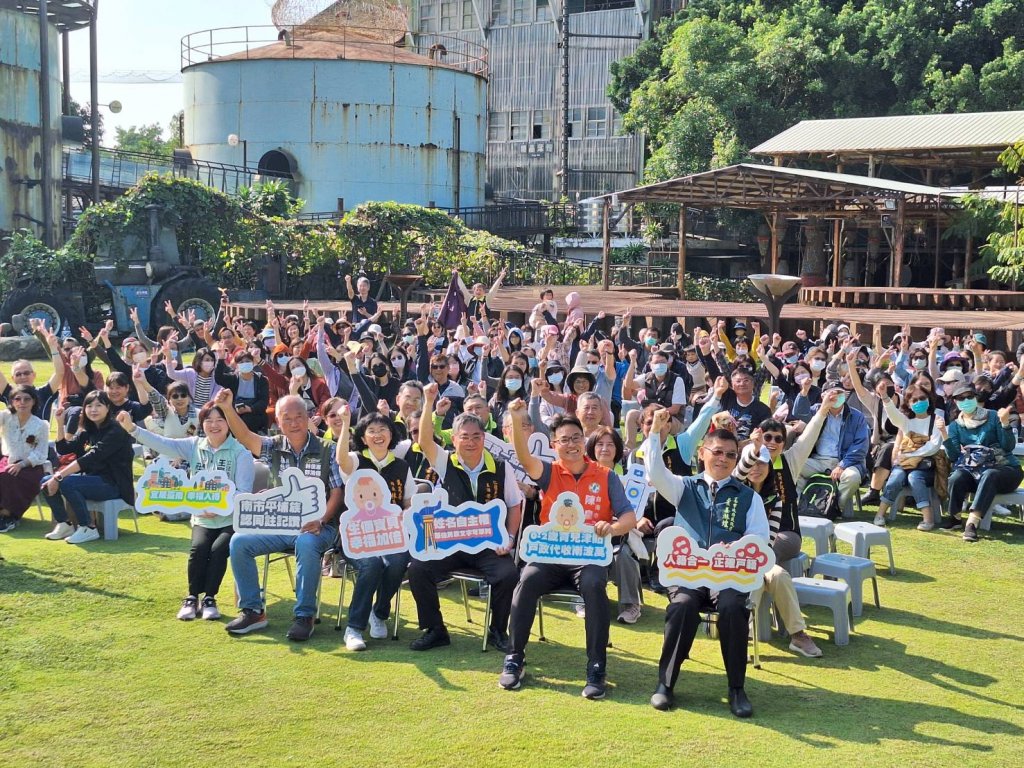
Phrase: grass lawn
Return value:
(96, 671)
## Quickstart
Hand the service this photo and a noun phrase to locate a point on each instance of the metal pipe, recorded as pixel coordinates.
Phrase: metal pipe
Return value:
(45, 134)
(563, 186)
(65, 72)
(94, 97)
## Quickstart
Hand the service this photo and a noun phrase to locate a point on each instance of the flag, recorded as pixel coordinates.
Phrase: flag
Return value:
(453, 307)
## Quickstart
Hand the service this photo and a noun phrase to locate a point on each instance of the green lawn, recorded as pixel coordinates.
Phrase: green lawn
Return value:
(95, 670)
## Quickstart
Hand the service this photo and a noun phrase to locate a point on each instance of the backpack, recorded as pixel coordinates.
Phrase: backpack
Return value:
(819, 498)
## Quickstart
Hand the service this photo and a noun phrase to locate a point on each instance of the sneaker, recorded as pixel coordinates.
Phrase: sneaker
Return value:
(871, 498)
(7, 524)
(378, 627)
(354, 640)
(498, 638)
(923, 526)
(629, 614)
(951, 523)
(83, 535)
(188, 608)
(513, 672)
(246, 622)
(581, 610)
(435, 637)
(879, 520)
(802, 643)
(301, 629)
(595, 688)
(971, 532)
(60, 531)
(210, 610)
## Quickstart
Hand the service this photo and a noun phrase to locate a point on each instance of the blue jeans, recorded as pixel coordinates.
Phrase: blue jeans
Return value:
(75, 490)
(920, 481)
(309, 551)
(382, 575)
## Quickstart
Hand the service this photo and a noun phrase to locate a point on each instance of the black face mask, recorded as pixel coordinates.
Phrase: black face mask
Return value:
(378, 369)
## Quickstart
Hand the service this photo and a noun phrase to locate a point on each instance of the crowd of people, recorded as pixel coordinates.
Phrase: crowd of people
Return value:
(722, 417)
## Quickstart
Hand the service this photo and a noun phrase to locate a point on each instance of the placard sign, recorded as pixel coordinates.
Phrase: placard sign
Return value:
(283, 510)
(165, 489)
(638, 490)
(565, 539)
(371, 524)
(434, 529)
(539, 445)
(740, 565)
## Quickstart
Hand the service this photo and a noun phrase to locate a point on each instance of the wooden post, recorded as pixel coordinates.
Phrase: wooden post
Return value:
(606, 246)
(681, 273)
(969, 246)
(898, 235)
(938, 247)
(775, 243)
(836, 252)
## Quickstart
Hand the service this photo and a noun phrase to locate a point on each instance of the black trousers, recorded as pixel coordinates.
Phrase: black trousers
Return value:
(208, 559)
(499, 572)
(537, 579)
(682, 619)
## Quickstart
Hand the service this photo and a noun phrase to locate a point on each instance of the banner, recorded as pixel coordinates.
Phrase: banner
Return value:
(284, 510)
(434, 530)
(740, 565)
(165, 489)
(564, 539)
(371, 524)
(539, 445)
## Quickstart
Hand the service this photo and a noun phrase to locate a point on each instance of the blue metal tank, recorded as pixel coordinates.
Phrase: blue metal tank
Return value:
(349, 117)
(21, 189)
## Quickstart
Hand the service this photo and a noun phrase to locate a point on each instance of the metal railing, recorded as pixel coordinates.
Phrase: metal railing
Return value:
(122, 170)
(352, 42)
(518, 219)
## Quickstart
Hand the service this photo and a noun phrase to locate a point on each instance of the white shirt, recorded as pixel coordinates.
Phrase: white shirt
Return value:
(678, 389)
(513, 496)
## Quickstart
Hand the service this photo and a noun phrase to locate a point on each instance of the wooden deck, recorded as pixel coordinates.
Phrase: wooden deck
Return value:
(913, 298)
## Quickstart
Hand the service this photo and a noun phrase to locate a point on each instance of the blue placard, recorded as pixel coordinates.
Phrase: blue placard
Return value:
(435, 530)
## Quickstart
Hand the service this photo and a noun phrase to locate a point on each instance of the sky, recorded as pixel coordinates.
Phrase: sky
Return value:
(145, 35)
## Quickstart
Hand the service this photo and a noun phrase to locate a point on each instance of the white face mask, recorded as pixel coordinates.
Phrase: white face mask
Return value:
(139, 358)
(298, 372)
(207, 366)
(817, 364)
(81, 363)
(283, 360)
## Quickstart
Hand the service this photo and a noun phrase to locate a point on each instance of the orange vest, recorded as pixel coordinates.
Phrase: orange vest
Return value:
(592, 489)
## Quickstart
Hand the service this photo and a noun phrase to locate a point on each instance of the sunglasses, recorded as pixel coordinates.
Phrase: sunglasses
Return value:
(443, 367)
(964, 396)
(179, 397)
(768, 437)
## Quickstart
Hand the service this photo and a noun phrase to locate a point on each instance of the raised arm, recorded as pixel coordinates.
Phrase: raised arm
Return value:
(252, 442)
(533, 466)
(426, 436)
(342, 454)
(798, 454)
(670, 486)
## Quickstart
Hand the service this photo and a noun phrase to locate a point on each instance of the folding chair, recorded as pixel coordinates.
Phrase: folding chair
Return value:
(709, 618)
(338, 560)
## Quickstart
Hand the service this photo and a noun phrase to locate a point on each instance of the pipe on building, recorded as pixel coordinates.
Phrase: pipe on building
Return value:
(45, 131)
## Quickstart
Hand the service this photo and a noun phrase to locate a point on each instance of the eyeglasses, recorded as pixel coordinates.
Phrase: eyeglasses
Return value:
(179, 396)
(571, 440)
(719, 453)
(768, 437)
(442, 367)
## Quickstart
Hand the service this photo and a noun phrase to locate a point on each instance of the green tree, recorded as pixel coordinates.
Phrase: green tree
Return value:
(85, 112)
(147, 139)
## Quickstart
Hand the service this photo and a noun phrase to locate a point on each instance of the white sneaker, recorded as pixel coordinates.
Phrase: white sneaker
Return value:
(581, 610)
(188, 609)
(880, 521)
(210, 610)
(378, 627)
(83, 535)
(354, 640)
(60, 531)
(630, 614)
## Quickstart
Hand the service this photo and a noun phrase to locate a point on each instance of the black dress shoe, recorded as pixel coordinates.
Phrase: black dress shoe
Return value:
(435, 637)
(739, 704)
(663, 699)
(498, 638)
(951, 523)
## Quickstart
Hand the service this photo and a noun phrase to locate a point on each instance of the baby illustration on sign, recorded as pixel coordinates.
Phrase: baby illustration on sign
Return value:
(565, 539)
(567, 513)
(371, 524)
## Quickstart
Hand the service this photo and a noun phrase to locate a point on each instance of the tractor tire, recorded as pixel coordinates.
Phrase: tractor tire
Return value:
(57, 310)
(196, 293)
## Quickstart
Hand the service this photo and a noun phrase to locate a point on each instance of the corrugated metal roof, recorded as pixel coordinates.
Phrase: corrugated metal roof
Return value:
(903, 132)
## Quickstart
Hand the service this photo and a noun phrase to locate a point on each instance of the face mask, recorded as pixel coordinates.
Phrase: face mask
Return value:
(479, 351)
(513, 385)
(792, 358)
(533, 363)
(81, 363)
(800, 378)
(956, 368)
(659, 369)
(245, 367)
(741, 350)
(174, 354)
(968, 406)
(398, 362)
(920, 363)
(650, 341)
(555, 379)
(378, 369)
(593, 368)
(840, 401)
(920, 407)
(298, 372)
(139, 358)
(207, 366)
(283, 360)
(408, 339)
(817, 364)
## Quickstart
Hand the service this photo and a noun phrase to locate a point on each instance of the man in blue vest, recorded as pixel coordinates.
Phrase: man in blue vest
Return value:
(714, 508)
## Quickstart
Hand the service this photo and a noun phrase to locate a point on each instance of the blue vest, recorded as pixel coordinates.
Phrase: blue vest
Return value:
(723, 524)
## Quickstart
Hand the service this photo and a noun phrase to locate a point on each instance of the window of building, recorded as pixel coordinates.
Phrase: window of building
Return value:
(428, 16)
(468, 17)
(541, 124)
(597, 122)
(520, 11)
(499, 12)
(616, 123)
(575, 123)
(497, 129)
(518, 120)
(543, 10)
(448, 18)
